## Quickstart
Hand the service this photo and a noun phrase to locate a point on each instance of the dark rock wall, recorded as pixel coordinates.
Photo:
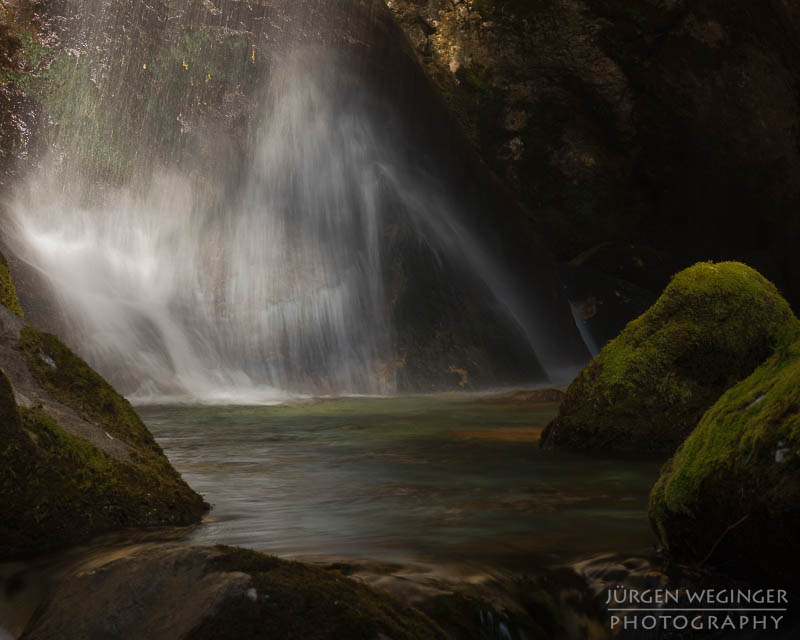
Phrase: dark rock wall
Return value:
(675, 124)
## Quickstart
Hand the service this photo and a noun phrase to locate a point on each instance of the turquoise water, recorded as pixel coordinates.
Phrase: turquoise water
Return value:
(405, 478)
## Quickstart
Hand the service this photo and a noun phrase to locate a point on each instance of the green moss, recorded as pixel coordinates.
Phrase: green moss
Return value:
(741, 462)
(74, 383)
(58, 489)
(9, 415)
(8, 293)
(112, 123)
(67, 89)
(475, 102)
(33, 55)
(485, 8)
(648, 388)
(303, 602)
(474, 80)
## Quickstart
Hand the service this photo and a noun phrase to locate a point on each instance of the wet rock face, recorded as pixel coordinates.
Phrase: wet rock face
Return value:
(8, 292)
(672, 123)
(648, 388)
(730, 497)
(19, 114)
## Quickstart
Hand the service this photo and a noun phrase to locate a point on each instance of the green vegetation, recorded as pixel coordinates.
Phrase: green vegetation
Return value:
(58, 489)
(731, 494)
(67, 89)
(8, 293)
(485, 8)
(296, 601)
(110, 122)
(9, 414)
(648, 388)
(474, 101)
(74, 383)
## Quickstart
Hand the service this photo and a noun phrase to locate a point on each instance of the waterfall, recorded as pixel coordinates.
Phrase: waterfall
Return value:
(237, 270)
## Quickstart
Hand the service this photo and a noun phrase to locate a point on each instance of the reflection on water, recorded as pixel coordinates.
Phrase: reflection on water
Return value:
(401, 478)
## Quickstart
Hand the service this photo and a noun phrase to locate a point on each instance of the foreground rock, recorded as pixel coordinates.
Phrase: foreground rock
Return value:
(75, 459)
(168, 590)
(171, 591)
(731, 494)
(647, 389)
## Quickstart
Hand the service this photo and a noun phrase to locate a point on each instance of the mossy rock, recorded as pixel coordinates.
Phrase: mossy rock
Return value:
(10, 423)
(57, 488)
(295, 601)
(730, 497)
(648, 388)
(8, 294)
(74, 383)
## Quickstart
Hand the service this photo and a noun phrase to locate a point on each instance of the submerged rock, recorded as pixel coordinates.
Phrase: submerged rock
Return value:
(730, 496)
(648, 388)
(75, 458)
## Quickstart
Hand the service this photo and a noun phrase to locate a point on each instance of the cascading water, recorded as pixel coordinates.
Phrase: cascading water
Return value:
(246, 281)
(282, 287)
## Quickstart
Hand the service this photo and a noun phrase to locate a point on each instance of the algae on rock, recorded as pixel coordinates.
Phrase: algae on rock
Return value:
(730, 496)
(648, 388)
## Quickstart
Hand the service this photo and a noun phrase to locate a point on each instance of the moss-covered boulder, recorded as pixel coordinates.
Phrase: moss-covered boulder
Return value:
(59, 482)
(648, 388)
(75, 458)
(730, 496)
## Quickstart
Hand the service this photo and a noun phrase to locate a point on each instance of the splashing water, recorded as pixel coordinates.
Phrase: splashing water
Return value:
(282, 288)
(252, 282)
